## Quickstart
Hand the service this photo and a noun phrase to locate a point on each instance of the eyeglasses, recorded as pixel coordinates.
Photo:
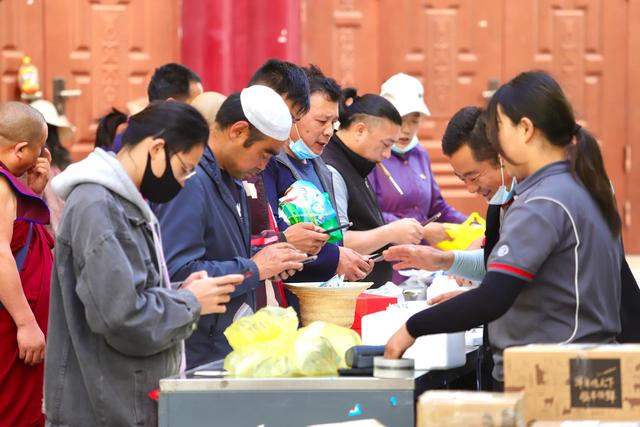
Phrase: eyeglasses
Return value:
(474, 178)
(188, 173)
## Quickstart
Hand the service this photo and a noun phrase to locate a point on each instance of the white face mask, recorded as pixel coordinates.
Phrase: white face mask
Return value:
(503, 196)
(410, 146)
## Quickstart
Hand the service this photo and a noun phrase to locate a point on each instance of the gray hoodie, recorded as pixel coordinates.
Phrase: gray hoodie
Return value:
(115, 326)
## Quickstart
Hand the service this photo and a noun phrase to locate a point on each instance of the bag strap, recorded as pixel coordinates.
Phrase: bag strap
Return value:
(21, 256)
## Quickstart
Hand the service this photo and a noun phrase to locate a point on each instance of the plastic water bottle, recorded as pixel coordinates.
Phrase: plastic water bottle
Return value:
(28, 78)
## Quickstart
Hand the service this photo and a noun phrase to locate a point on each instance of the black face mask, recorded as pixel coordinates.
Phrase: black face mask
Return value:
(162, 189)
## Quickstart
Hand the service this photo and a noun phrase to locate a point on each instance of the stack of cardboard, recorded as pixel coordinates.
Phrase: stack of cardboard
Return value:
(576, 381)
(469, 409)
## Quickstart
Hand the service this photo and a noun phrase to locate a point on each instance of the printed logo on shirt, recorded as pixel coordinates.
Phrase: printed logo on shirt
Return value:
(503, 250)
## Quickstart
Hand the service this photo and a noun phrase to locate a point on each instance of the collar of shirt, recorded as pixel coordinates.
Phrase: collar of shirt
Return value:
(359, 163)
(554, 168)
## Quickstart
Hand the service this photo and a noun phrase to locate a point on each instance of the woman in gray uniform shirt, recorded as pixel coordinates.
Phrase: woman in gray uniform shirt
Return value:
(554, 275)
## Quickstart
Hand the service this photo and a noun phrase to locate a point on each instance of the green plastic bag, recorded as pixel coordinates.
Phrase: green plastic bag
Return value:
(303, 202)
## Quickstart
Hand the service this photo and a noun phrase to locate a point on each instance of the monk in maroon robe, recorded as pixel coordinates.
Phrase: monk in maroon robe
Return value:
(26, 261)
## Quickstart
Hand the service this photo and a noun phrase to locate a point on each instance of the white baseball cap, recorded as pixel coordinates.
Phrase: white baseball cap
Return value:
(267, 111)
(405, 93)
(66, 131)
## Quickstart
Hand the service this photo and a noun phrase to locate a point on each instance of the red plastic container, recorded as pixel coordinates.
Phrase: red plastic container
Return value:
(367, 304)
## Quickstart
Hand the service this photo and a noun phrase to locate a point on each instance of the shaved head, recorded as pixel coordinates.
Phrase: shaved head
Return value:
(208, 104)
(20, 123)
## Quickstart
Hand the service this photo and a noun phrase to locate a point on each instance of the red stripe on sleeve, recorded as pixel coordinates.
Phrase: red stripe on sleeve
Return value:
(511, 269)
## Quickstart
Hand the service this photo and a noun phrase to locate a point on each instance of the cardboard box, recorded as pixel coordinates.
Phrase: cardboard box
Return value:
(576, 381)
(439, 408)
(367, 304)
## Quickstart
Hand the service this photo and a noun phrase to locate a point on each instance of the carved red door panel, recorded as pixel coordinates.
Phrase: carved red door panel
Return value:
(581, 42)
(632, 160)
(341, 37)
(21, 33)
(454, 48)
(108, 49)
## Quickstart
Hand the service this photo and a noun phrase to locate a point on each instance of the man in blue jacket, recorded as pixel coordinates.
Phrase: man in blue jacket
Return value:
(300, 160)
(206, 227)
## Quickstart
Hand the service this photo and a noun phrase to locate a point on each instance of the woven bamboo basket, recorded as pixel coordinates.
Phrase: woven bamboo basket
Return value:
(334, 305)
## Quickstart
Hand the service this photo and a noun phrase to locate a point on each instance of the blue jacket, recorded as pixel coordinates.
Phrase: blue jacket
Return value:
(202, 230)
(279, 174)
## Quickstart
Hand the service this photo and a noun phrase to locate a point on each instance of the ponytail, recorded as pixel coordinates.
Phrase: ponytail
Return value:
(537, 96)
(347, 99)
(107, 128)
(353, 108)
(588, 166)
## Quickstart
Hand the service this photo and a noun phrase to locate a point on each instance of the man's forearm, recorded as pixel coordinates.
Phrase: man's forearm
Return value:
(366, 242)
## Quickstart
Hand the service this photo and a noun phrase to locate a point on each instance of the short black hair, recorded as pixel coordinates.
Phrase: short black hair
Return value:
(365, 105)
(171, 81)
(319, 83)
(287, 79)
(468, 127)
(180, 125)
(459, 129)
(231, 112)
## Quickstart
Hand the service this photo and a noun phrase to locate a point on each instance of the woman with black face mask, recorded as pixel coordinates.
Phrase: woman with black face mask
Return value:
(117, 324)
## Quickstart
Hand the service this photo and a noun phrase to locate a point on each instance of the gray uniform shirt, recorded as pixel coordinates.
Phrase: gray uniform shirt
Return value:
(342, 195)
(555, 237)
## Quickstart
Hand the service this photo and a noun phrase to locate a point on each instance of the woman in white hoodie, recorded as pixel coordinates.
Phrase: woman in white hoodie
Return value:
(117, 323)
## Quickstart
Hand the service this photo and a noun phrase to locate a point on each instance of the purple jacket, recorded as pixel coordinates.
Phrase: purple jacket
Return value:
(422, 198)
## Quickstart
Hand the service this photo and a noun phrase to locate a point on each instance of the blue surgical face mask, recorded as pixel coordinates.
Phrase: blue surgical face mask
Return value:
(410, 146)
(300, 149)
(503, 196)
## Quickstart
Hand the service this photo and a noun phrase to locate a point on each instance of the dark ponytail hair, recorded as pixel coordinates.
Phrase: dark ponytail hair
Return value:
(367, 105)
(60, 156)
(179, 124)
(538, 97)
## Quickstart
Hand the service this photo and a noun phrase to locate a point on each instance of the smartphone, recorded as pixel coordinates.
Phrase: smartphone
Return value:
(433, 218)
(340, 227)
(377, 258)
(310, 259)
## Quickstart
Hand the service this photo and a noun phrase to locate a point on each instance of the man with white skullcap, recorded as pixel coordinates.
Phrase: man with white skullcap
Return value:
(206, 227)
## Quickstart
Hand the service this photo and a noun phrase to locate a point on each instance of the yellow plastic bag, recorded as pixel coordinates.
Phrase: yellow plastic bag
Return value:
(314, 356)
(342, 339)
(266, 325)
(269, 359)
(263, 344)
(267, 344)
(462, 235)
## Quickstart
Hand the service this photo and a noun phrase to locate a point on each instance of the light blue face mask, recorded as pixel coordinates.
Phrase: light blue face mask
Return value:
(503, 196)
(300, 149)
(404, 150)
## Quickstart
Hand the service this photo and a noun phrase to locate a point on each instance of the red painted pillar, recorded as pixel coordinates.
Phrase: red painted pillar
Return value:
(224, 41)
